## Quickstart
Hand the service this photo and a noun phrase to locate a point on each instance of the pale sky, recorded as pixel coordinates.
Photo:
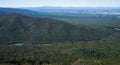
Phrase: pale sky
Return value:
(62, 3)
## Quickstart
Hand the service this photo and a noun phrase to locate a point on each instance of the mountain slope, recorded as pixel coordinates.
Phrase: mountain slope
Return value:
(19, 28)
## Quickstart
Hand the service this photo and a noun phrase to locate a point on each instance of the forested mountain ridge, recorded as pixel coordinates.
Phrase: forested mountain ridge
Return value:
(20, 28)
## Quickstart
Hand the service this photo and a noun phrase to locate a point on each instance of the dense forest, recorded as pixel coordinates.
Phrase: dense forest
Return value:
(103, 52)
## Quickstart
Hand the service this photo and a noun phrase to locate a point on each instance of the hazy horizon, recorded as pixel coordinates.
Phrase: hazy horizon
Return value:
(59, 3)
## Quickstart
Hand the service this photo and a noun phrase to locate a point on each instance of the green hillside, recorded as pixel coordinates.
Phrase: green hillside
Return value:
(17, 28)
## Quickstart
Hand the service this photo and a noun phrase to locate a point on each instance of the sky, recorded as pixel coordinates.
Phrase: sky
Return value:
(62, 3)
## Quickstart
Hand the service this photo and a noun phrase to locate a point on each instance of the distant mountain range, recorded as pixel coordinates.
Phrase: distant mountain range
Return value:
(25, 29)
(86, 16)
(82, 15)
(26, 11)
(20, 11)
(82, 10)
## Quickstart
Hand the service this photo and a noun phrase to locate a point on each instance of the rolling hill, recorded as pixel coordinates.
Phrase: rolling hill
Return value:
(17, 28)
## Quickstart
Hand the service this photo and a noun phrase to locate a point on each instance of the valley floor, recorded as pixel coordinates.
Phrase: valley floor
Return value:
(79, 53)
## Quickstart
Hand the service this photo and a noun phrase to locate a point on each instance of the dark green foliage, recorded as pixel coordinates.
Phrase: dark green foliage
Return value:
(105, 52)
(16, 28)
